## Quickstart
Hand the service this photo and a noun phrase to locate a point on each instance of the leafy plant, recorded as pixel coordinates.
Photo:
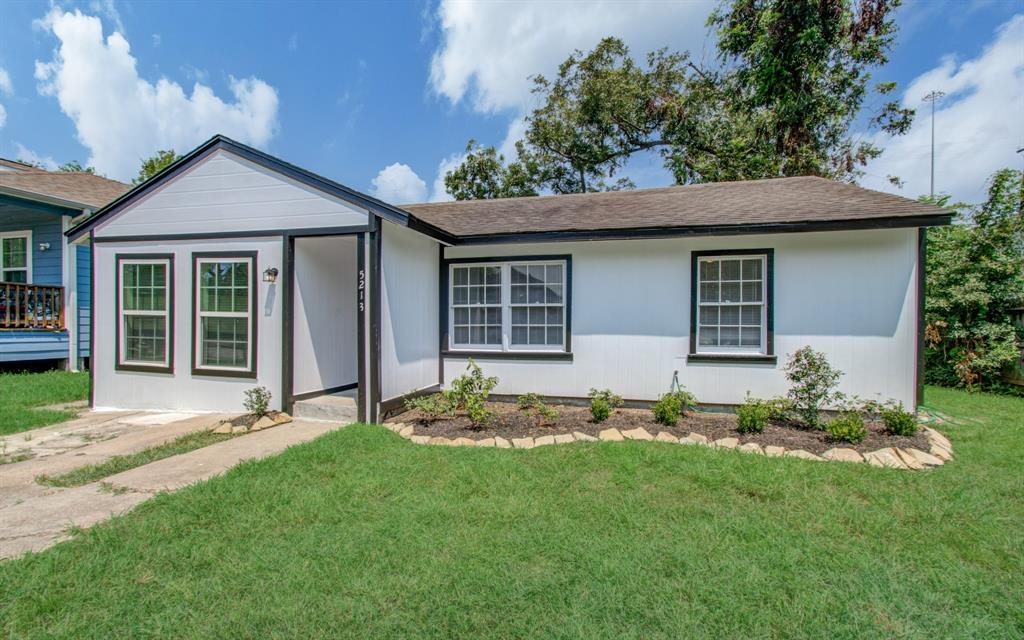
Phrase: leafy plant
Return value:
(602, 402)
(813, 384)
(534, 402)
(257, 401)
(754, 415)
(431, 407)
(469, 393)
(899, 422)
(847, 427)
(673, 405)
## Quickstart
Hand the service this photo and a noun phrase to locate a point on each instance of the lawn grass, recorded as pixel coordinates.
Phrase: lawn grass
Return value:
(21, 392)
(117, 464)
(362, 534)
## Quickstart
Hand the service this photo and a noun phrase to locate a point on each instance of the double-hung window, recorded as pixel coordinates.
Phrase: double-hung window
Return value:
(732, 306)
(16, 256)
(224, 307)
(509, 306)
(145, 319)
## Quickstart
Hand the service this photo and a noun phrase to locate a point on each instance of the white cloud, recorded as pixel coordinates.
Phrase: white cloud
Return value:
(108, 10)
(440, 193)
(157, 40)
(6, 89)
(24, 153)
(398, 184)
(978, 125)
(122, 118)
(489, 50)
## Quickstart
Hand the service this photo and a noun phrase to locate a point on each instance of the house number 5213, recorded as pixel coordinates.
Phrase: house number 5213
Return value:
(362, 290)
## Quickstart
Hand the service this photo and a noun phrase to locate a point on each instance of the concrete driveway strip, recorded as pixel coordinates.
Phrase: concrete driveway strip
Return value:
(42, 517)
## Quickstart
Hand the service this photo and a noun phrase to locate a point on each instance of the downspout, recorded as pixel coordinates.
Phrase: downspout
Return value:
(69, 274)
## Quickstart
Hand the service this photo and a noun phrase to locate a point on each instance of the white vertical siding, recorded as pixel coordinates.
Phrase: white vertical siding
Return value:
(326, 332)
(851, 294)
(223, 193)
(182, 390)
(409, 298)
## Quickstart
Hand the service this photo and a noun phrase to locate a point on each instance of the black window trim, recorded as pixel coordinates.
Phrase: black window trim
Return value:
(445, 290)
(768, 357)
(251, 372)
(135, 367)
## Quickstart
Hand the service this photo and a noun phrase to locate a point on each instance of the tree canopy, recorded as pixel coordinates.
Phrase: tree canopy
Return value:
(155, 164)
(792, 82)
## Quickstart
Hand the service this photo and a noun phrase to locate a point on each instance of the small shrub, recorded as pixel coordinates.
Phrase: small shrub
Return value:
(479, 414)
(534, 403)
(848, 427)
(602, 402)
(545, 414)
(530, 400)
(899, 422)
(599, 409)
(813, 384)
(257, 401)
(667, 409)
(754, 415)
(470, 387)
(430, 407)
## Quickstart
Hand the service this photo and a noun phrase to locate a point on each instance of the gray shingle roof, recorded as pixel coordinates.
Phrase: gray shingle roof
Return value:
(86, 189)
(752, 202)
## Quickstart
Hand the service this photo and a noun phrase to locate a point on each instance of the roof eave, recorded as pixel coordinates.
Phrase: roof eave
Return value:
(45, 199)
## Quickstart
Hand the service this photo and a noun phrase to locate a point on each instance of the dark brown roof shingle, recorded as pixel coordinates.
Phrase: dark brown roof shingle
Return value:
(79, 187)
(752, 202)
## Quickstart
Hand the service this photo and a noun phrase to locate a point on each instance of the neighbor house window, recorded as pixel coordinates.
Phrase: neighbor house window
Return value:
(144, 300)
(16, 256)
(225, 314)
(514, 305)
(732, 303)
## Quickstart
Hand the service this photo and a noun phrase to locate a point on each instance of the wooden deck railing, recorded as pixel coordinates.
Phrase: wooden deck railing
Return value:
(31, 306)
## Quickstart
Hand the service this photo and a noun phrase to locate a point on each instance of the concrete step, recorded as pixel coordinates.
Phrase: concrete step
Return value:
(335, 407)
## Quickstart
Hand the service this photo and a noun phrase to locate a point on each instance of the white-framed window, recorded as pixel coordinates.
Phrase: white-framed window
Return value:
(144, 300)
(514, 305)
(224, 317)
(732, 303)
(16, 256)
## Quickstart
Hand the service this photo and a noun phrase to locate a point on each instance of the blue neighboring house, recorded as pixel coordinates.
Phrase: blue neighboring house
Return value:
(44, 281)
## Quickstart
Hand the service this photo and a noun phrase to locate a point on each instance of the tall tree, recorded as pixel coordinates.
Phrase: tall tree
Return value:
(484, 174)
(74, 166)
(155, 164)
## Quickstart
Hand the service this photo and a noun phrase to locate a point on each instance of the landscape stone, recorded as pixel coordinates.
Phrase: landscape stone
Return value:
(263, 423)
(282, 418)
(908, 459)
(464, 442)
(502, 443)
(925, 458)
(391, 426)
(543, 440)
(486, 442)
(406, 431)
(843, 454)
(440, 440)
(751, 447)
(935, 436)
(774, 451)
(884, 458)
(725, 443)
(239, 429)
(665, 436)
(803, 455)
(223, 427)
(522, 443)
(940, 453)
(611, 435)
(420, 439)
(698, 438)
(583, 437)
(564, 438)
(637, 434)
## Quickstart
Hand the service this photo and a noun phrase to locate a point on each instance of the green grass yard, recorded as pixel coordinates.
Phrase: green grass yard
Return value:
(22, 393)
(362, 534)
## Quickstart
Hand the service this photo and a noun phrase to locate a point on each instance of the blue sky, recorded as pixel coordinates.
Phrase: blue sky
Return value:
(382, 96)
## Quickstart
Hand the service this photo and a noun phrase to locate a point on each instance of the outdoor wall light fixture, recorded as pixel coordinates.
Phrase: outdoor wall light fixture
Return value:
(270, 275)
(44, 246)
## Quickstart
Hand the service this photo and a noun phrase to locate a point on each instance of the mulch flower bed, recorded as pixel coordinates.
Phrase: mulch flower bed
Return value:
(511, 422)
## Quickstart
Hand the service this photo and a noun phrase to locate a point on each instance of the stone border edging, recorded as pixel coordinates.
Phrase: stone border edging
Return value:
(941, 449)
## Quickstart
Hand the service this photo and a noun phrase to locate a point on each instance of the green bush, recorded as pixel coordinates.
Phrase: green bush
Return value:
(813, 384)
(754, 415)
(530, 400)
(430, 407)
(534, 402)
(667, 409)
(848, 427)
(257, 401)
(602, 401)
(469, 393)
(899, 422)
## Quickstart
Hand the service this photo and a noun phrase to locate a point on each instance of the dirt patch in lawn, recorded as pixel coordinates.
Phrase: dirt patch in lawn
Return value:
(510, 422)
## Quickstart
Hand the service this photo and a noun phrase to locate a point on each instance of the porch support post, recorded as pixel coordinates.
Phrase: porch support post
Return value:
(69, 255)
(922, 260)
(287, 322)
(373, 386)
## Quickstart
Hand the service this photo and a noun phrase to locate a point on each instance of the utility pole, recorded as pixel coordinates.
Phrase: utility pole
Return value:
(933, 97)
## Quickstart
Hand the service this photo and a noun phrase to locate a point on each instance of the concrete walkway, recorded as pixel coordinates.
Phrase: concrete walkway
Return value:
(33, 517)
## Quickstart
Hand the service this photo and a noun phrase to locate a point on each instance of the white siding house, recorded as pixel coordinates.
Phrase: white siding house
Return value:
(232, 269)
